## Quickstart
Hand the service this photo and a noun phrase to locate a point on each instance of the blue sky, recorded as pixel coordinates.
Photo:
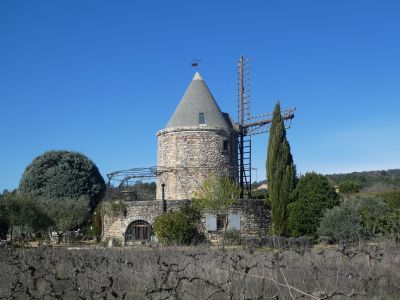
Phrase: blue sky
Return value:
(101, 77)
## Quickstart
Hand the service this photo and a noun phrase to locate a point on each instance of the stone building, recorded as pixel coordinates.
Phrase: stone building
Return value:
(198, 140)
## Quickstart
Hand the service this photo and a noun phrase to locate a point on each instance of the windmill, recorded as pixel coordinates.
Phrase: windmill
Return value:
(250, 125)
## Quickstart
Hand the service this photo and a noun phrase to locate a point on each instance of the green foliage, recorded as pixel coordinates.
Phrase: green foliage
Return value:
(372, 180)
(4, 220)
(233, 237)
(97, 223)
(281, 173)
(67, 213)
(24, 211)
(371, 210)
(63, 175)
(390, 224)
(342, 223)
(392, 199)
(312, 196)
(348, 187)
(217, 194)
(175, 228)
(114, 208)
(178, 227)
(192, 211)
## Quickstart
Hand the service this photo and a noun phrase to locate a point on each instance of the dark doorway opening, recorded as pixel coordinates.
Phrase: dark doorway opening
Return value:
(138, 231)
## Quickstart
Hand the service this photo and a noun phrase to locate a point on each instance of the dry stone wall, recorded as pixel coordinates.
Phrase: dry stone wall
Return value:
(189, 154)
(359, 272)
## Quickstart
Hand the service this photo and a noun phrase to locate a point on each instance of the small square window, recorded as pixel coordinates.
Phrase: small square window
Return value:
(202, 119)
(225, 145)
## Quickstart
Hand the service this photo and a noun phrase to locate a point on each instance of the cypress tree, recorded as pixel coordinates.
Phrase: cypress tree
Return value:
(281, 173)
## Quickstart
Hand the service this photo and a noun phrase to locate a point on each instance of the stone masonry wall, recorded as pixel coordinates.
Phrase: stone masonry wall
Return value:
(115, 225)
(254, 217)
(189, 154)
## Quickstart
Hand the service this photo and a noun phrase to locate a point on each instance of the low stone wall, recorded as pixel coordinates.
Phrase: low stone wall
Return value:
(200, 273)
(254, 217)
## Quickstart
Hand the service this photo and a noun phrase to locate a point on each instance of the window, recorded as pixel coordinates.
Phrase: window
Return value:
(220, 222)
(202, 119)
(234, 221)
(216, 222)
(225, 145)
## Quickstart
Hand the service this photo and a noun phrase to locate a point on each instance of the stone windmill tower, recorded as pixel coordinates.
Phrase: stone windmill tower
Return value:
(198, 140)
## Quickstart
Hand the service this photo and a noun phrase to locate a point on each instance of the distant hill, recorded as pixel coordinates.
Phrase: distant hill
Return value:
(369, 181)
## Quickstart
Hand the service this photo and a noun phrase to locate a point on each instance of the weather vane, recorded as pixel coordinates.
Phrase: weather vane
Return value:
(195, 63)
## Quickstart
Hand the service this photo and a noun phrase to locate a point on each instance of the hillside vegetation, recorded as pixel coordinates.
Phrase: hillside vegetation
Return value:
(368, 181)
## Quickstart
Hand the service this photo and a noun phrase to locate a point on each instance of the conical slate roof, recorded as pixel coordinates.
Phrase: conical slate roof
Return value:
(198, 99)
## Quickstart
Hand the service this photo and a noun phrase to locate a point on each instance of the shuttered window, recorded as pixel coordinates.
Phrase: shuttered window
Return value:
(211, 222)
(234, 221)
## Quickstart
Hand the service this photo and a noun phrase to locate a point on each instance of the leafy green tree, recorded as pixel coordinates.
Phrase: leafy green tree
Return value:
(348, 187)
(281, 173)
(312, 196)
(25, 212)
(61, 175)
(67, 213)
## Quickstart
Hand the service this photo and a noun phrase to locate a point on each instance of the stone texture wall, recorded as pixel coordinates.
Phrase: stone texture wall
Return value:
(189, 154)
(115, 225)
(254, 217)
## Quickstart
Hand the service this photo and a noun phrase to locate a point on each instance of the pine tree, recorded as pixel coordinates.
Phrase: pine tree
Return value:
(281, 173)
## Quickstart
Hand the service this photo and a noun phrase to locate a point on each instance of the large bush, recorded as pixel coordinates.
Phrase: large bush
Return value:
(312, 196)
(178, 227)
(356, 218)
(63, 174)
(342, 223)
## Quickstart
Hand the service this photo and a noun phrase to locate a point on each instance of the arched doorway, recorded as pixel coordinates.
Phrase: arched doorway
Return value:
(138, 231)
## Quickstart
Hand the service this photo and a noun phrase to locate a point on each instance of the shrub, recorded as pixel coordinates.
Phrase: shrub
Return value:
(311, 197)
(232, 237)
(392, 199)
(372, 210)
(342, 223)
(63, 174)
(348, 187)
(390, 225)
(97, 224)
(4, 222)
(175, 228)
